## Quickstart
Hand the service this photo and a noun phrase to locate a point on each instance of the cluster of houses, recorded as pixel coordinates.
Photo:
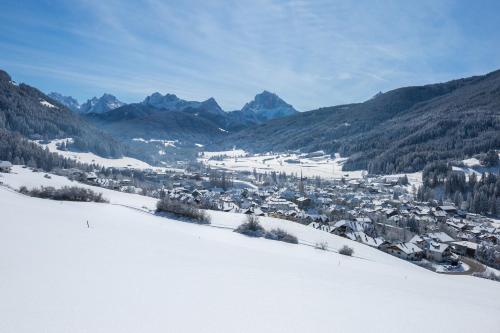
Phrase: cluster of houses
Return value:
(435, 245)
(349, 208)
(371, 210)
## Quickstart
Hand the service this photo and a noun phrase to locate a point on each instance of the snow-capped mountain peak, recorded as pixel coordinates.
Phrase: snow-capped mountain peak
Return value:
(68, 101)
(105, 103)
(171, 102)
(267, 105)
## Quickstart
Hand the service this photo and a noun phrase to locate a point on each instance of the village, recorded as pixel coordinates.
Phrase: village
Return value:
(378, 211)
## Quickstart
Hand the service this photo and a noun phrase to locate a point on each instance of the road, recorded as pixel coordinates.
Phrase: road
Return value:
(474, 267)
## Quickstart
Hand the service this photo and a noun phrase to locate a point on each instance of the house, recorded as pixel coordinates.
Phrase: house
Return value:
(440, 237)
(342, 227)
(489, 238)
(389, 212)
(91, 177)
(418, 240)
(5, 166)
(440, 215)
(361, 237)
(438, 251)
(407, 251)
(465, 248)
(448, 209)
(303, 202)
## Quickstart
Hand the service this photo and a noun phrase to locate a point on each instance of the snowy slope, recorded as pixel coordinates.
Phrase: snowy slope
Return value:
(307, 235)
(135, 272)
(91, 158)
(322, 166)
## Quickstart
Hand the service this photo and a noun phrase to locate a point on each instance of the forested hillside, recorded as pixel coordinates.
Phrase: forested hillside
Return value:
(143, 121)
(25, 112)
(398, 131)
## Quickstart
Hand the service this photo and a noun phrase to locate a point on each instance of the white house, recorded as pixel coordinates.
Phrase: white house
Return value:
(407, 251)
(438, 251)
(5, 166)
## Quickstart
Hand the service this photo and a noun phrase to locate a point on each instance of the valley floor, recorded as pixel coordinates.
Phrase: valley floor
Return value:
(132, 271)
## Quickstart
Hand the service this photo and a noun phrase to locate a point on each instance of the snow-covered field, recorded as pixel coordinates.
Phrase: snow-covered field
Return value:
(166, 143)
(414, 178)
(473, 165)
(132, 271)
(91, 158)
(323, 166)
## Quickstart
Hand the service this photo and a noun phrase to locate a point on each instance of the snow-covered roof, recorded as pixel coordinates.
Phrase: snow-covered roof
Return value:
(467, 244)
(5, 164)
(441, 236)
(361, 237)
(408, 248)
(416, 239)
(437, 247)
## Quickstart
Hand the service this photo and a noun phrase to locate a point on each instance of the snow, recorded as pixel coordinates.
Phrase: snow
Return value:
(467, 170)
(446, 268)
(47, 104)
(132, 271)
(166, 143)
(472, 162)
(227, 153)
(323, 166)
(25, 177)
(91, 158)
(473, 165)
(414, 178)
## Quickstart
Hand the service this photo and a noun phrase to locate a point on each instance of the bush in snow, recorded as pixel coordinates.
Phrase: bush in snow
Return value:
(65, 193)
(488, 254)
(281, 235)
(181, 209)
(251, 228)
(346, 250)
(490, 275)
(321, 246)
(425, 264)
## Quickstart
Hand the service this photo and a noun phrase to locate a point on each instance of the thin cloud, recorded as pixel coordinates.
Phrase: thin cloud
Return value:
(312, 53)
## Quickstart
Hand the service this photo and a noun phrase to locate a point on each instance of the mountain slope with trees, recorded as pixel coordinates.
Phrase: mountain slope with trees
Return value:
(169, 117)
(28, 114)
(398, 131)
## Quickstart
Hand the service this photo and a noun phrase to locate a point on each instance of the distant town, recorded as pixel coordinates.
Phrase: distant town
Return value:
(379, 211)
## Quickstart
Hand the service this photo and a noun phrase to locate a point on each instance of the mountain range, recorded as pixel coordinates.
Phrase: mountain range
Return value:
(401, 130)
(102, 104)
(27, 114)
(170, 117)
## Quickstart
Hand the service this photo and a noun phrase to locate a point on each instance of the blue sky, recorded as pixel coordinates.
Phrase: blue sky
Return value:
(311, 53)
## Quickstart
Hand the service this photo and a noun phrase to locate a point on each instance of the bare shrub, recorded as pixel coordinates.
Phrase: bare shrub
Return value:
(346, 250)
(281, 235)
(251, 228)
(321, 246)
(172, 206)
(425, 264)
(65, 193)
(487, 275)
